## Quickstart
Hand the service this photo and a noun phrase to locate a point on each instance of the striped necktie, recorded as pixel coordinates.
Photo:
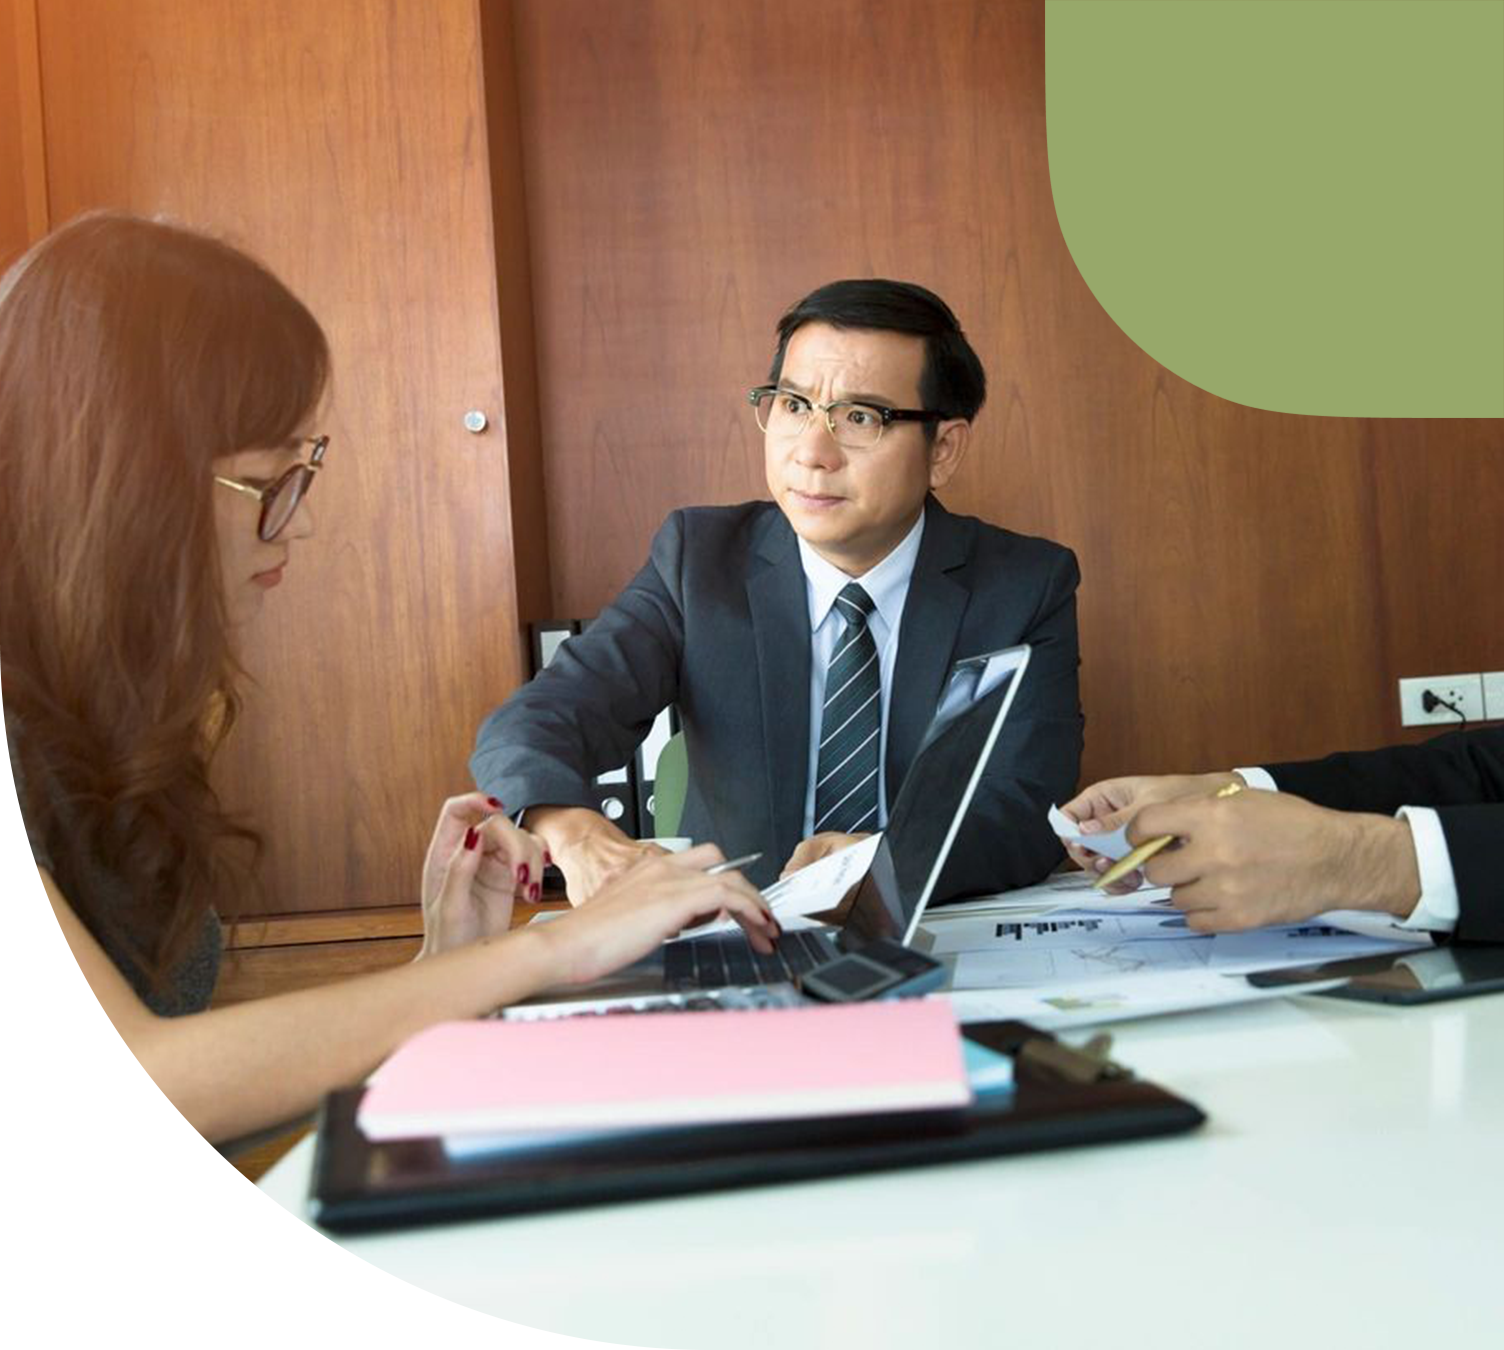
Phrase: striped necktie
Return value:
(846, 769)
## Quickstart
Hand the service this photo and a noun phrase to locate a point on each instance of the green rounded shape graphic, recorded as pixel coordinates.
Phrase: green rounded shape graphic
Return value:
(1297, 205)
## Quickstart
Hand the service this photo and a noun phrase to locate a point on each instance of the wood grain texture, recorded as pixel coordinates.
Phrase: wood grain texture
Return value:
(14, 234)
(347, 925)
(514, 309)
(1254, 583)
(262, 972)
(344, 143)
(335, 925)
(23, 162)
(255, 1163)
(304, 950)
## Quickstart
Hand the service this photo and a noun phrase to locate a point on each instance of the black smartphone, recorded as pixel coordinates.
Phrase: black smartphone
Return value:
(881, 968)
(1409, 976)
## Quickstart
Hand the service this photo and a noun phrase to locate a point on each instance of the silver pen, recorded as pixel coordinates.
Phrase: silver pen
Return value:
(731, 864)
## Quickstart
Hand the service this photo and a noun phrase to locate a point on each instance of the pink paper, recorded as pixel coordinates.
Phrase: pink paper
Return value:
(461, 1077)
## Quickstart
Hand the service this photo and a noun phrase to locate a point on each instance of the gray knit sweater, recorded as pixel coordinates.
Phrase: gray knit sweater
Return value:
(103, 896)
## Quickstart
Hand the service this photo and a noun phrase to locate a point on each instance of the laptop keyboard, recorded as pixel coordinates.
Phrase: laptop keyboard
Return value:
(752, 999)
(727, 960)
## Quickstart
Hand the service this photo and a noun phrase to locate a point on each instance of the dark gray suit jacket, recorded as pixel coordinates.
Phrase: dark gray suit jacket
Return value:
(717, 622)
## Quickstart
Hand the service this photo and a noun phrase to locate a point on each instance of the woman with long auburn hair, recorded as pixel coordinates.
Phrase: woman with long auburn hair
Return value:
(156, 393)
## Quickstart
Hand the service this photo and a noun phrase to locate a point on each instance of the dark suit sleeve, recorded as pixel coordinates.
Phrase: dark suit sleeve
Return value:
(1006, 840)
(593, 705)
(1460, 775)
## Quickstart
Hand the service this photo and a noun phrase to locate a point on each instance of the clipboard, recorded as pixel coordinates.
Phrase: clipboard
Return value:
(1062, 1098)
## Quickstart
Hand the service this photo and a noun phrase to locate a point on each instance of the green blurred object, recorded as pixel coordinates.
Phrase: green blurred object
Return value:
(670, 787)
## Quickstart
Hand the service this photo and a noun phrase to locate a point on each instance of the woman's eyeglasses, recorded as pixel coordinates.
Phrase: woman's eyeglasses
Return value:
(280, 496)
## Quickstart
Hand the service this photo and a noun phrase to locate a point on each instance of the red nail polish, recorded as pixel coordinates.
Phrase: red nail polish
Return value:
(472, 838)
(534, 891)
(495, 803)
(523, 873)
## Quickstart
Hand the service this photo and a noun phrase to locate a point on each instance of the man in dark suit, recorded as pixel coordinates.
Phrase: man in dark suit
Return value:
(805, 641)
(1413, 831)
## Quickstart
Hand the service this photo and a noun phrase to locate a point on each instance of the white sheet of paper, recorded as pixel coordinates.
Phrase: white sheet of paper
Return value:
(1112, 845)
(1071, 948)
(469, 1147)
(1062, 890)
(1029, 966)
(1061, 928)
(812, 889)
(984, 921)
(1366, 923)
(1089, 1002)
(1073, 890)
(1373, 924)
(1145, 900)
(1299, 945)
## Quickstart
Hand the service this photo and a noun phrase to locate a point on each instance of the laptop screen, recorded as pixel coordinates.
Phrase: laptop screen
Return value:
(935, 796)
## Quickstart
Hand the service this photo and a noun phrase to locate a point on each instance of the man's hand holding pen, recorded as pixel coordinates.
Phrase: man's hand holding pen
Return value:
(1254, 858)
(1112, 803)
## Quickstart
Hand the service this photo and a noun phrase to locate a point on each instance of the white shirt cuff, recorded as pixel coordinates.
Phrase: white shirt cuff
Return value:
(1257, 778)
(1439, 906)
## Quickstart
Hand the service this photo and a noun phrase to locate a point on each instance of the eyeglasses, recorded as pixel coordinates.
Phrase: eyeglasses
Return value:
(280, 496)
(857, 426)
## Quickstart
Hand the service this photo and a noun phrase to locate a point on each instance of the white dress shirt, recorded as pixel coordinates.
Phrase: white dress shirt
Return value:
(888, 585)
(1438, 907)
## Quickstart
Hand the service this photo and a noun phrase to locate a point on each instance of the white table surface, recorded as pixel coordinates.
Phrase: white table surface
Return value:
(1346, 1191)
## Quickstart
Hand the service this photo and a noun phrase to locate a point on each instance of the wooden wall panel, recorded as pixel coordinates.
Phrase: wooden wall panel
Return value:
(1254, 582)
(514, 303)
(346, 144)
(23, 168)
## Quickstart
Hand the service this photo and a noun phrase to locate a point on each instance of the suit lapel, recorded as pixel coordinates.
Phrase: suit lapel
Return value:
(780, 629)
(927, 636)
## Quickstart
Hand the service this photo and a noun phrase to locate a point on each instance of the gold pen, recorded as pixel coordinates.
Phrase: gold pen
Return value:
(1129, 861)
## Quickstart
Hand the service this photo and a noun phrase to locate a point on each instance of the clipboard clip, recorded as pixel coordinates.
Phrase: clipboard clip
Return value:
(1088, 1063)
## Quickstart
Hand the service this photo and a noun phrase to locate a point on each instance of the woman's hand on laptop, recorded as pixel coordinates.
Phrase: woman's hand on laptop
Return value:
(819, 846)
(657, 896)
(478, 864)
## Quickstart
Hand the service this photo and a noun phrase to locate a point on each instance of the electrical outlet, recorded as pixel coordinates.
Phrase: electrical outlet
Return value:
(1464, 692)
(1493, 695)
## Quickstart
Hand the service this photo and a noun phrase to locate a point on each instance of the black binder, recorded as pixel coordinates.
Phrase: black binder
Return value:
(358, 1185)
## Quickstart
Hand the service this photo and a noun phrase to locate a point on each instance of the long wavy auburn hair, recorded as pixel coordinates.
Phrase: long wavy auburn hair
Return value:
(132, 354)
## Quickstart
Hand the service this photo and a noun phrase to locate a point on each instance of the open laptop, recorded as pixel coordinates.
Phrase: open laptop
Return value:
(890, 900)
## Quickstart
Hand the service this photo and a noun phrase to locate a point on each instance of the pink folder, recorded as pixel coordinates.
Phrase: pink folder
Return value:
(626, 1072)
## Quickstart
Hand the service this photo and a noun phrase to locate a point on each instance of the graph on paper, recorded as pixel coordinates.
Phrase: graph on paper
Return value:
(1068, 948)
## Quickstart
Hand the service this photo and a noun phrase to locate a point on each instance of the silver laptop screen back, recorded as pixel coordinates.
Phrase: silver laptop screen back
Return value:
(935, 795)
